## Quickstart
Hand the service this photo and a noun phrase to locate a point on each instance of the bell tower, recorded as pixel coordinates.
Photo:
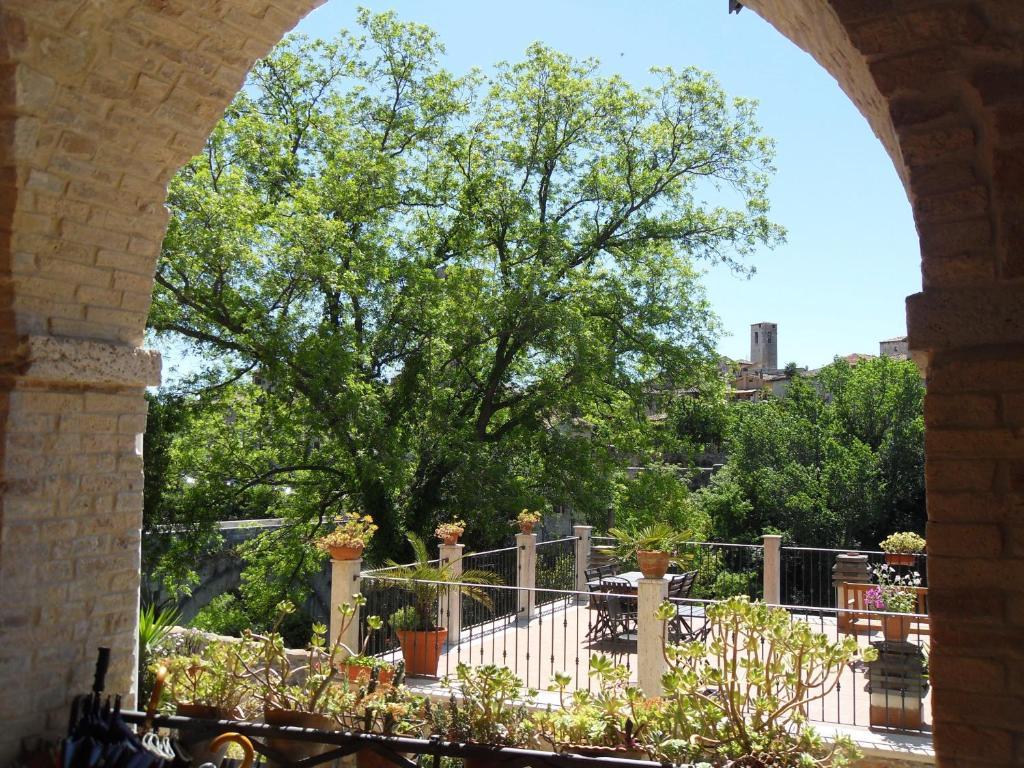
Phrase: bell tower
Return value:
(764, 346)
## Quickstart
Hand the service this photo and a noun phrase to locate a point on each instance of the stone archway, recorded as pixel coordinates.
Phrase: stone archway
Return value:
(102, 102)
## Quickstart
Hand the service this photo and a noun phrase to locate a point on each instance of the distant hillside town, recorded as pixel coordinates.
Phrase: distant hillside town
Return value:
(760, 375)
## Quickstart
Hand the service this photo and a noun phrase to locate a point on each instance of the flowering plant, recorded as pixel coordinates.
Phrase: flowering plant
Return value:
(353, 531)
(528, 518)
(905, 542)
(894, 593)
(451, 530)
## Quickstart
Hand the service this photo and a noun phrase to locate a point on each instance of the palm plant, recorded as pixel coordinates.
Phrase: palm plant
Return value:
(425, 580)
(657, 537)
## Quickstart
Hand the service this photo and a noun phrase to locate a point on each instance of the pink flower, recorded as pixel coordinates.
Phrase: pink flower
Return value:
(874, 599)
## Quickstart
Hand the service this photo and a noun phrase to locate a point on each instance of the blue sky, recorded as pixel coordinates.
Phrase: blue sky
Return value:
(839, 284)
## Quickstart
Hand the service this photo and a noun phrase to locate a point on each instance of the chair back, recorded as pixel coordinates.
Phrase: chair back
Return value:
(681, 586)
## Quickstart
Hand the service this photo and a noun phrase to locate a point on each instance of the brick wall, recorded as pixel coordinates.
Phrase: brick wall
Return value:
(101, 102)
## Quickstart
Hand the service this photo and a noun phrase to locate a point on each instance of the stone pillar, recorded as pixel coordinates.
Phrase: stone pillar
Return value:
(772, 569)
(345, 583)
(450, 609)
(583, 542)
(72, 418)
(526, 568)
(651, 663)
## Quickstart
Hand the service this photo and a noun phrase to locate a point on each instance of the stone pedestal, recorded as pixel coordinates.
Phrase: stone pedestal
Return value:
(345, 583)
(850, 568)
(897, 685)
(772, 569)
(651, 663)
(526, 567)
(583, 544)
(450, 609)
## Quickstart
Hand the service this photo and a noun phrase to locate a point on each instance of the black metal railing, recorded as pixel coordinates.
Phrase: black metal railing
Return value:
(806, 573)
(402, 751)
(556, 567)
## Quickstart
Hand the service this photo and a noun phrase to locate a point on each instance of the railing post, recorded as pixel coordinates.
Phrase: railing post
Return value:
(651, 663)
(526, 570)
(451, 598)
(772, 569)
(583, 543)
(345, 582)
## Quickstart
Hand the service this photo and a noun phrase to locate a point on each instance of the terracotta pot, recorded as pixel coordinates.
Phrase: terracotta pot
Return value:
(422, 650)
(900, 558)
(345, 553)
(198, 742)
(449, 541)
(896, 628)
(526, 527)
(356, 673)
(653, 564)
(293, 751)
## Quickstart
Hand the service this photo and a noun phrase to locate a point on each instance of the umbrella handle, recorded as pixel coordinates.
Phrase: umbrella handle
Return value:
(239, 739)
(154, 698)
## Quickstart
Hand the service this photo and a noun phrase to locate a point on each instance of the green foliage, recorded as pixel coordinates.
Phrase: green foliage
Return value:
(905, 542)
(491, 707)
(611, 713)
(656, 537)
(223, 615)
(427, 579)
(405, 619)
(840, 465)
(421, 295)
(155, 626)
(214, 678)
(745, 691)
(659, 493)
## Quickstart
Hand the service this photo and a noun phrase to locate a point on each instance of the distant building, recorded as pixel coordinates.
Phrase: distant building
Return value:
(895, 347)
(761, 376)
(764, 346)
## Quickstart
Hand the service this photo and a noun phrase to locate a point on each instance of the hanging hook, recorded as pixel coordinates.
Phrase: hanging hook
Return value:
(241, 741)
(154, 699)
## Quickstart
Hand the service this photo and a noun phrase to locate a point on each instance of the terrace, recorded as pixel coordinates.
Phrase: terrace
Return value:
(545, 621)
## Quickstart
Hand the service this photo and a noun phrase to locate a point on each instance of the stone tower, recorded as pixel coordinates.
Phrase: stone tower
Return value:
(764, 346)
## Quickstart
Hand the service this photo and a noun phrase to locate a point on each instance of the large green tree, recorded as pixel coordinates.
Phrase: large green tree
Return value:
(836, 462)
(424, 294)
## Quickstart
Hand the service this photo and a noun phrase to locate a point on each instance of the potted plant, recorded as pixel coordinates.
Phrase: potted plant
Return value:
(488, 706)
(654, 546)
(209, 685)
(449, 533)
(526, 520)
(386, 709)
(416, 625)
(742, 696)
(301, 695)
(902, 548)
(894, 594)
(349, 538)
(608, 719)
(359, 667)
